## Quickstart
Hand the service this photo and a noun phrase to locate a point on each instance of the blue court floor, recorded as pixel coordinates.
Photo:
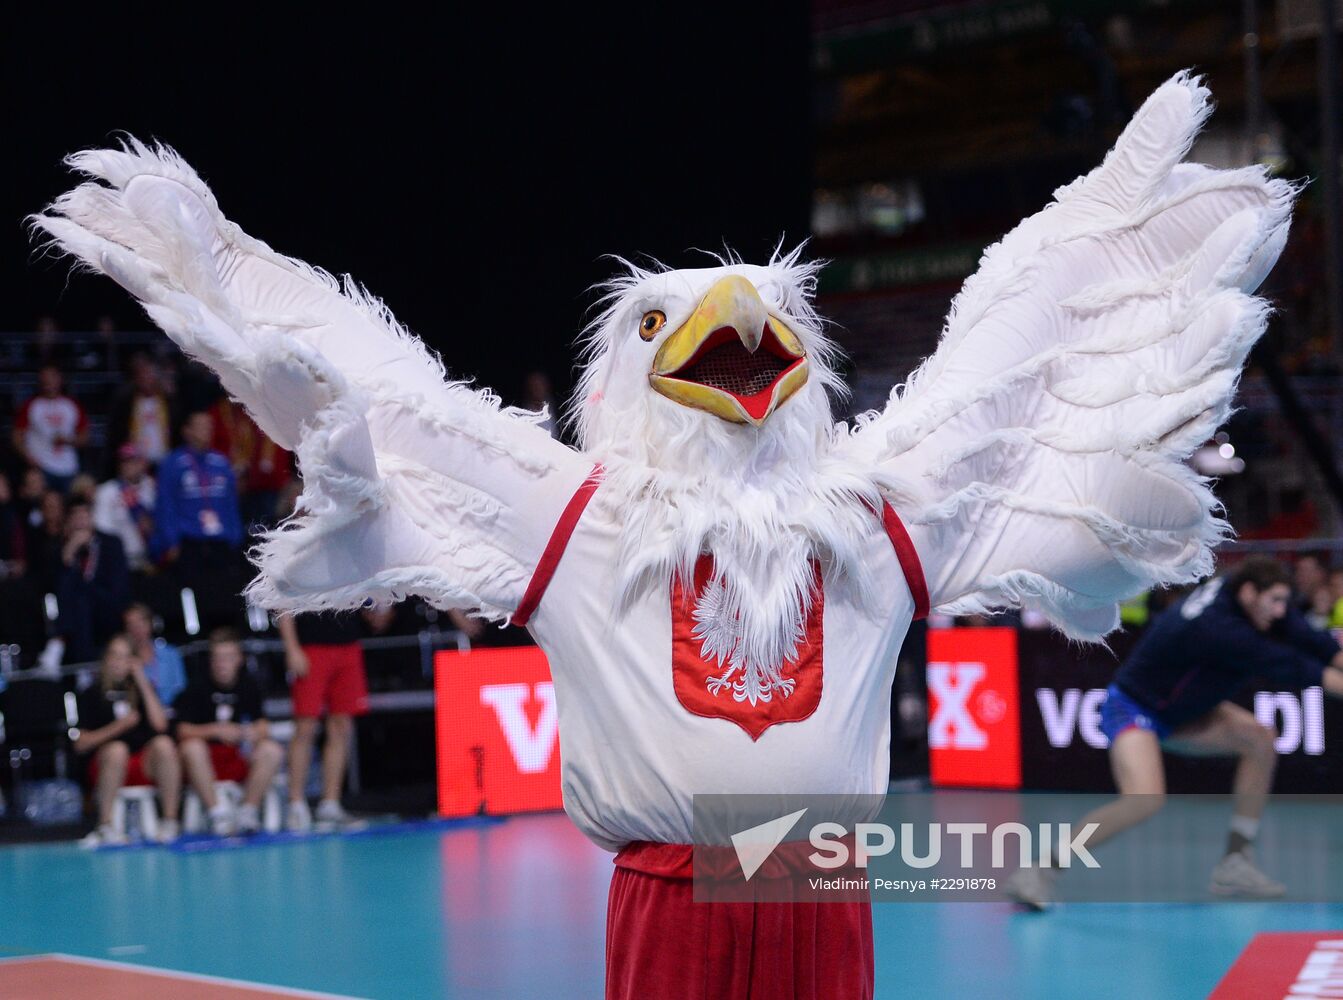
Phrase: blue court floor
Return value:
(515, 909)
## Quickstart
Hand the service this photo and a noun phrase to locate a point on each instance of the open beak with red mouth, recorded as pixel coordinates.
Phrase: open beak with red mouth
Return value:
(731, 357)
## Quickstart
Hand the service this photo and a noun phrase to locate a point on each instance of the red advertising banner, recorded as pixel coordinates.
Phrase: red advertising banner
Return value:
(1290, 964)
(974, 721)
(497, 732)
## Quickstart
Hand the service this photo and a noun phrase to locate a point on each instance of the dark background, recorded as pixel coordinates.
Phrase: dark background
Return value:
(470, 169)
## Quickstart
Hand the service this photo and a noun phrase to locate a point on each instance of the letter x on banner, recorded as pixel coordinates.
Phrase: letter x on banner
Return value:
(497, 732)
(974, 715)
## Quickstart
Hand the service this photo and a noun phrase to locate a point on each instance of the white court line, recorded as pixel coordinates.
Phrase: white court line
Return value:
(197, 977)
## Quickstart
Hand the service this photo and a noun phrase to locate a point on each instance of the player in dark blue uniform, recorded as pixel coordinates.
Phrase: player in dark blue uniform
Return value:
(1172, 694)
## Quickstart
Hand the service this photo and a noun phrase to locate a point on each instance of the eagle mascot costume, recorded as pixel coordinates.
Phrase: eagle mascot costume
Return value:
(720, 574)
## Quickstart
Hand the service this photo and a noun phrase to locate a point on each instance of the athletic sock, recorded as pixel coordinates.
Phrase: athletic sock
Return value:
(1243, 831)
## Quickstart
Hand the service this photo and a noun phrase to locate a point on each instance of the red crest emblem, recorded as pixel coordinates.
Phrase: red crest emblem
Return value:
(706, 687)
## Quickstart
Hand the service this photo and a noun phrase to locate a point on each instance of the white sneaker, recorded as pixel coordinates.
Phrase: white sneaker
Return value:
(1032, 887)
(247, 820)
(1236, 875)
(105, 836)
(221, 821)
(298, 818)
(168, 831)
(330, 816)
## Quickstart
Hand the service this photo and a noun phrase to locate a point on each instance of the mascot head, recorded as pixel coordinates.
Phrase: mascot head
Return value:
(708, 370)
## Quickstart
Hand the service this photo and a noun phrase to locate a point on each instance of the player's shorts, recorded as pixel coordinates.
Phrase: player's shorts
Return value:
(135, 770)
(228, 762)
(335, 682)
(1120, 712)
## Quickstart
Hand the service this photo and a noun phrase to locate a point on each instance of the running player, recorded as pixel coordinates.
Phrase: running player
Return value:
(1172, 694)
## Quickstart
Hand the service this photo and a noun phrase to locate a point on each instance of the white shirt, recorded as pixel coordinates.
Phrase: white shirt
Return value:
(633, 755)
(44, 419)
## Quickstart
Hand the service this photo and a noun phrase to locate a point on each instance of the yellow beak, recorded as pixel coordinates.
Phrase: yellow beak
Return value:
(731, 357)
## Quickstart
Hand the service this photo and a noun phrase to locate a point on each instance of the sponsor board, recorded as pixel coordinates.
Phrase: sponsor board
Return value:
(497, 732)
(974, 738)
(1062, 747)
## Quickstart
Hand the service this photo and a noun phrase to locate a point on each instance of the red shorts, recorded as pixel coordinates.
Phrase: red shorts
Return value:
(228, 762)
(335, 681)
(661, 945)
(135, 770)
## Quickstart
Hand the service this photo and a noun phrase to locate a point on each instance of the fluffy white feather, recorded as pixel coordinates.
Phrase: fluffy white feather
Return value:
(413, 484)
(1097, 346)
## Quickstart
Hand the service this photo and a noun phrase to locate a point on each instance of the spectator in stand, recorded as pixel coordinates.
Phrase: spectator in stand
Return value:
(32, 487)
(325, 664)
(539, 395)
(1308, 576)
(47, 337)
(124, 726)
(1321, 608)
(13, 558)
(223, 735)
(124, 506)
(49, 428)
(1336, 593)
(197, 526)
(82, 488)
(93, 588)
(262, 466)
(45, 539)
(143, 416)
(162, 663)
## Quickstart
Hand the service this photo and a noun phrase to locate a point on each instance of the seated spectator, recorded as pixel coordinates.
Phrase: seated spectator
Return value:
(13, 558)
(83, 487)
(1336, 592)
(162, 663)
(44, 541)
(197, 526)
(538, 395)
(223, 735)
(124, 506)
(1321, 608)
(47, 338)
(31, 489)
(93, 586)
(143, 416)
(49, 428)
(261, 466)
(1309, 575)
(123, 726)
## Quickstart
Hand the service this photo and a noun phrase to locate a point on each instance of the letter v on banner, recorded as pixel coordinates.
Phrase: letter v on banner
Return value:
(974, 715)
(497, 732)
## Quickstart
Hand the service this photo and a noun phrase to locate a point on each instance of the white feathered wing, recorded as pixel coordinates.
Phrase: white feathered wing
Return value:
(1040, 449)
(412, 484)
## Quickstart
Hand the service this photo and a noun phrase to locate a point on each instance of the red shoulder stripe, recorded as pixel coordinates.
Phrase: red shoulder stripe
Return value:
(554, 551)
(908, 557)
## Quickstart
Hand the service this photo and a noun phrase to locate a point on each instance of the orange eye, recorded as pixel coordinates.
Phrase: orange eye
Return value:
(652, 322)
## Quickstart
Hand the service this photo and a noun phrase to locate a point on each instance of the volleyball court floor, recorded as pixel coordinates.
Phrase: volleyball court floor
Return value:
(516, 909)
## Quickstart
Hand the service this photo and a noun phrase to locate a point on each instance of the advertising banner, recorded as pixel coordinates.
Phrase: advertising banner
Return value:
(1062, 688)
(497, 732)
(974, 712)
